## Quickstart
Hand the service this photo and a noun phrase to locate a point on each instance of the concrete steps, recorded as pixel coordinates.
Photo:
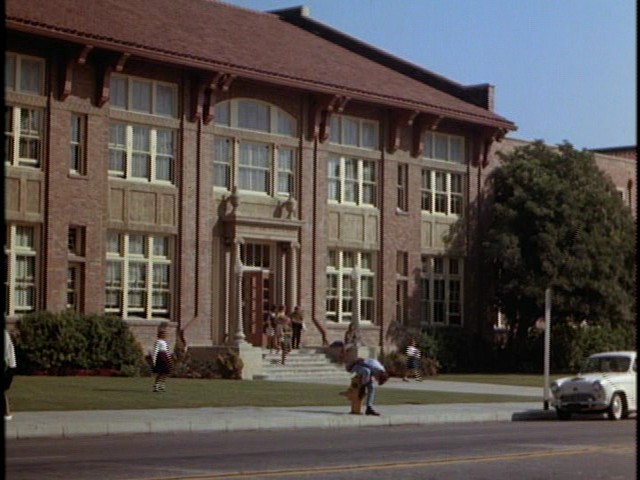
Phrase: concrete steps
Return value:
(303, 364)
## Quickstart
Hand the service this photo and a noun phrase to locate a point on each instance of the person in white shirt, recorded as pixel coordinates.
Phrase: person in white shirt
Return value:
(162, 362)
(9, 366)
(413, 361)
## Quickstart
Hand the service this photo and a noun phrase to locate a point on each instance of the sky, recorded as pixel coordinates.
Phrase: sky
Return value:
(563, 70)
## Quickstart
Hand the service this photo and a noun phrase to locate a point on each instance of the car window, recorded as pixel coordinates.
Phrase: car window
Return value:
(606, 364)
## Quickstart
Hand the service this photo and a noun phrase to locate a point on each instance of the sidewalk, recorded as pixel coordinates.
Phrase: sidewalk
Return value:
(113, 422)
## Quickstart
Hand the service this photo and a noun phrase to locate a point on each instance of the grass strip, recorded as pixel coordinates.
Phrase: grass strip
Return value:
(41, 393)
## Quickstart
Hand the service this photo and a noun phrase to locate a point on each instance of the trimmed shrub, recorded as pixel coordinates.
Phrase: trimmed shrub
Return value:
(65, 342)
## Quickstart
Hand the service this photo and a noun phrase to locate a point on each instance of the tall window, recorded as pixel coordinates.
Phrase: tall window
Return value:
(260, 167)
(441, 290)
(354, 132)
(403, 194)
(402, 286)
(442, 192)
(23, 136)
(351, 181)
(341, 284)
(74, 282)
(446, 148)
(140, 152)
(20, 259)
(143, 96)
(247, 114)
(138, 275)
(77, 144)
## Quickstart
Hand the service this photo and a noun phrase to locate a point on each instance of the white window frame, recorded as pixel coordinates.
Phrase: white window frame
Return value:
(14, 135)
(428, 278)
(274, 115)
(360, 182)
(153, 153)
(16, 73)
(337, 135)
(14, 252)
(149, 258)
(273, 172)
(429, 193)
(338, 267)
(154, 84)
(77, 145)
(429, 140)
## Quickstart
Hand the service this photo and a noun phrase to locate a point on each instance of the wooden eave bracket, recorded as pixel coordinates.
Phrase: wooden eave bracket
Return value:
(399, 119)
(204, 94)
(104, 77)
(322, 107)
(424, 122)
(70, 59)
(482, 144)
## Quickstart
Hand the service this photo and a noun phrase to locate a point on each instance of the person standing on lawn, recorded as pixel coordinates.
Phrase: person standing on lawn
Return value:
(162, 362)
(367, 370)
(9, 367)
(297, 324)
(413, 361)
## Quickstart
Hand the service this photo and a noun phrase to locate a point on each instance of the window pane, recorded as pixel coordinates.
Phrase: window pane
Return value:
(164, 155)
(166, 96)
(141, 98)
(136, 244)
(31, 75)
(286, 124)
(456, 154)
(113, 242)
(253, 172)
(456, 183)
(222, 116)
(160, 246)
(285, 170)
(427, 145)
(369, 135)
(253, 115)
(140, 157)
(350, 131)
(348, 259)
(24, 237)
(441, 147)
(222, 163)
(30, 128)
(118, 92)
(334, 130)
(9, 72)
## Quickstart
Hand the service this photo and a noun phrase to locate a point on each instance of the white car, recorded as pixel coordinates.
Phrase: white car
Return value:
(606, 383)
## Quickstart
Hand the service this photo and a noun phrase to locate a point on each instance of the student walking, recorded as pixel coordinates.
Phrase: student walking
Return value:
(162, 362)
(9, 367)
(297, 324)
(284, 332)
(413, 362)
(270, 329)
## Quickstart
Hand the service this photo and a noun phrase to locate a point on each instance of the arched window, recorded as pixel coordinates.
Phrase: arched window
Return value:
(248, 114)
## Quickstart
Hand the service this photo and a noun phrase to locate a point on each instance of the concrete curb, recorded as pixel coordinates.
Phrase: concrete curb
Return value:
(118, 422)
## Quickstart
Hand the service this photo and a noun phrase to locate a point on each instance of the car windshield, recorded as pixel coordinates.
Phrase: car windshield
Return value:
(606, 364)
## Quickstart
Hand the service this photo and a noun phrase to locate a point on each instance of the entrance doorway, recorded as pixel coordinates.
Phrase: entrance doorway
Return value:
(256, 300)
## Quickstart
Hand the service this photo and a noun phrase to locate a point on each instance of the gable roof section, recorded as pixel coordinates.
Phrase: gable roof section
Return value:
(211, 35)
(480, 95)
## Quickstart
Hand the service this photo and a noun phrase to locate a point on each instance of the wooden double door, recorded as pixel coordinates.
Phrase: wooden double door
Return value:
(257, 297)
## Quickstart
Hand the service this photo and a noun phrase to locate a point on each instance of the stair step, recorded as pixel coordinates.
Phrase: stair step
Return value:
(301, 364)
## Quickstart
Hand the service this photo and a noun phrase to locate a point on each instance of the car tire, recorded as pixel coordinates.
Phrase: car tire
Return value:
(563, 414)
(617, 407)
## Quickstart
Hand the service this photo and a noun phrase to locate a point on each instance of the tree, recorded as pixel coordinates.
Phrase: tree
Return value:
(558, 221)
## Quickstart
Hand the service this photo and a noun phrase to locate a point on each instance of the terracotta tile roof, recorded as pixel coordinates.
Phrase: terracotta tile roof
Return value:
(209, 34)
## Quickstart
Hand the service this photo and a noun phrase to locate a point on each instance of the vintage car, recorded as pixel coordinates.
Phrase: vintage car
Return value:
(606, 383)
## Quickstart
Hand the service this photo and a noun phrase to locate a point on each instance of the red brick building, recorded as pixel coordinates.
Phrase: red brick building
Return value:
(193, 162)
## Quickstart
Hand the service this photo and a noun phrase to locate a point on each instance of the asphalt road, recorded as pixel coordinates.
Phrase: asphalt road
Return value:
(585, 449)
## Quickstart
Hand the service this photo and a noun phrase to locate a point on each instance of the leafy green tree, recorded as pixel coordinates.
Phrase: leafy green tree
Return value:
(557, 221)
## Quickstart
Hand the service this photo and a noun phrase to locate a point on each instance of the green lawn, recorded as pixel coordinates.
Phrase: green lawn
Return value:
(518, 379)
(41, 393)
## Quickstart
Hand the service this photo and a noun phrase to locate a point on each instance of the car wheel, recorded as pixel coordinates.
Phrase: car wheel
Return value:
(616, 408)
(563, 414)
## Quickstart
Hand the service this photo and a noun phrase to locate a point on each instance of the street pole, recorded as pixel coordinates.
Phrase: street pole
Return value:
(239, 336)
(547, 345)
